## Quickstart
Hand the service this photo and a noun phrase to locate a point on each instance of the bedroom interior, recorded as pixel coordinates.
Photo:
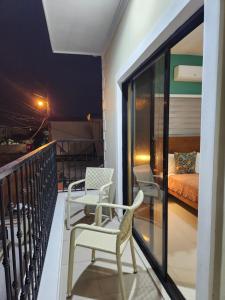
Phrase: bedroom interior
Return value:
(184, 137)
(183, 159)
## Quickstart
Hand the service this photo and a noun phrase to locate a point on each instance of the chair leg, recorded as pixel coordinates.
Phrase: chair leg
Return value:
(68, 216)
(86, 210)
(119, 266)
(133, 254)
(93, 255)
(110, 214)
(70, 266)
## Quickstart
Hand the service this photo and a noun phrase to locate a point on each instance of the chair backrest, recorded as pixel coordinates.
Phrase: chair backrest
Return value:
(97, 177)
(126, 223)
(143, 173)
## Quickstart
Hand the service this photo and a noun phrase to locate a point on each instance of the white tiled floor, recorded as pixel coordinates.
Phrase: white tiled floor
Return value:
(182, 248)
(182, 242)
(99, 280)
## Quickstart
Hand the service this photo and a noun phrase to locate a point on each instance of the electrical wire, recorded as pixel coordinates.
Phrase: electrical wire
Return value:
(42, 123)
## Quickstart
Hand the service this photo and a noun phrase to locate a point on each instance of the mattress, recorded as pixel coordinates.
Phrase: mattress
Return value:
(184, 186)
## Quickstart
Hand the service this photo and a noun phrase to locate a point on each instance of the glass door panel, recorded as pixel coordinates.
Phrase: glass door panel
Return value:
(129, 144)
(146, 155)
(159, 172)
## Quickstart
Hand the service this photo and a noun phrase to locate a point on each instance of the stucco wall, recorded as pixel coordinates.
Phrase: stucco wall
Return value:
(70, 130)
(139, 18)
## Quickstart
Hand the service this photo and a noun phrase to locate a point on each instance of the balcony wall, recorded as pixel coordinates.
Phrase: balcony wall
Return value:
(50, 280)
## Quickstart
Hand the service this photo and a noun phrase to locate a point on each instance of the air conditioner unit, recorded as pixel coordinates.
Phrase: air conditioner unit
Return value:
(188, 73)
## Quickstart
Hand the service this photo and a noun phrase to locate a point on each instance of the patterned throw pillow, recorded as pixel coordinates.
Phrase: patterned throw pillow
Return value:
(185, 162)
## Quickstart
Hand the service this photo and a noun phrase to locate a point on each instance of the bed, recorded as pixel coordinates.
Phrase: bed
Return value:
(184, 187)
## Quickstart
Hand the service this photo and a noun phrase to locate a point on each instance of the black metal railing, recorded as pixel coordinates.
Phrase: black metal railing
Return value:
(28, 193)
(74, 156)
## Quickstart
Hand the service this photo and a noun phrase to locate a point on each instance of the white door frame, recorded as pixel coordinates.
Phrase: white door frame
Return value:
(176, 16)
(207, 270)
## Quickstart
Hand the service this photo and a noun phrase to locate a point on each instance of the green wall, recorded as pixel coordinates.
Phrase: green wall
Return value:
(184, 87)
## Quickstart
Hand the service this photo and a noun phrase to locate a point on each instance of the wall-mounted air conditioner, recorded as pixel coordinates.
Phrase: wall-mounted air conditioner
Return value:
(188, 73)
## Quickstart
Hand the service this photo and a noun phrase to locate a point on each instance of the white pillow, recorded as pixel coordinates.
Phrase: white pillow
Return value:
(197, 163)
(171, 164)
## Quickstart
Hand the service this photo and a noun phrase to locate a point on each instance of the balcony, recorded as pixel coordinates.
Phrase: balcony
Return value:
(34, 245)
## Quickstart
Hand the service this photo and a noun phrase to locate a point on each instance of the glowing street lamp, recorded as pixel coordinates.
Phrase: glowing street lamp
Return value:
(42, 103)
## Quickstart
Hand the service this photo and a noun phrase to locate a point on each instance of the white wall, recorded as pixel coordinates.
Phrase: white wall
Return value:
(139, 18)
(211, 218)
(222, 148)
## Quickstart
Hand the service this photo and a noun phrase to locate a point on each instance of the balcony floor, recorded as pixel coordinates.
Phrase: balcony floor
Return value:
(99, 280)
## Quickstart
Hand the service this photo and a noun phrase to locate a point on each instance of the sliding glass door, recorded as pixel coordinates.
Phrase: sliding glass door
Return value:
(145, 165)
(147, 108)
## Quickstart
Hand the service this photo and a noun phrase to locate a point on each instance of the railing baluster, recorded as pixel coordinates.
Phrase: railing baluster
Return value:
(69, 162)
(37, 177)
(63, 171)
(41, 195)
(4, 244)
(44, 201)
(12, 235)
(24, 222)
(19, 236)
(34, 226)
(30, 231)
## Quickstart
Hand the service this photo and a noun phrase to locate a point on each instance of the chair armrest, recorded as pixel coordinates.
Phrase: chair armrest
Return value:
(113, 206)
(104, 191)
(98, 211)
(74, 183)
(105, 186)
(157, 176)
(149, 183)
(96, 229)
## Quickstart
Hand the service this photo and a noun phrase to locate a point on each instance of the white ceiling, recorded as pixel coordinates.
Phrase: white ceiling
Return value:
(192, 44)
(82, 26)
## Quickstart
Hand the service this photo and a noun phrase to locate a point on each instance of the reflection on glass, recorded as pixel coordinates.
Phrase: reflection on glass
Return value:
(147, 159)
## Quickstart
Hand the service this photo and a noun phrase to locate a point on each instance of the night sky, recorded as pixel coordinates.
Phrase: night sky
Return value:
(28, 65)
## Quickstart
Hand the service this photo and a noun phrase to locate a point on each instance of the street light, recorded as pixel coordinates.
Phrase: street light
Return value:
(42, 103)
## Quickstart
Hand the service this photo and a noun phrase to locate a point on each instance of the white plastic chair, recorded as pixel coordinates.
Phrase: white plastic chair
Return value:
(107, 240)
(98, 179)
(146, 181)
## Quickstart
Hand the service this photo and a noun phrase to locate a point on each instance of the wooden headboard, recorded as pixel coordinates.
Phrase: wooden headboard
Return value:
(184, 144)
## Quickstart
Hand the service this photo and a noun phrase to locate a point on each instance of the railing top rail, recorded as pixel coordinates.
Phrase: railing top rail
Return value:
(14, 165)
(80, 140)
